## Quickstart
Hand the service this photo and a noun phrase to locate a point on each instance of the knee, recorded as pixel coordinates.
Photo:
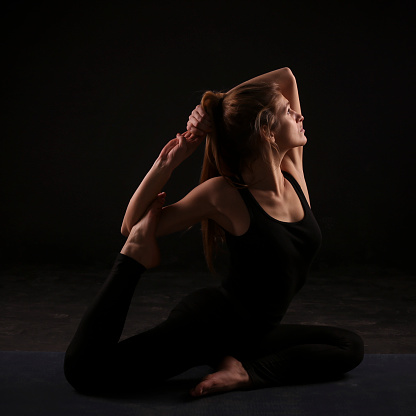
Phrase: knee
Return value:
(80, 374)
(96, 375)
(354, 347)
(74, 371)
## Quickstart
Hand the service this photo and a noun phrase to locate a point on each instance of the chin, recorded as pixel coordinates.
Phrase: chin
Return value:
(302, 142)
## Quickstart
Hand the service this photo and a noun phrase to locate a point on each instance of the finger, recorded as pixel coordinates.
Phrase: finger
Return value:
(203, 117)
(200, 124)
(202, 113)
(196, 115)
(161, 197)
(181, 140)
(168, 147)
(197, 132)
(190, 137)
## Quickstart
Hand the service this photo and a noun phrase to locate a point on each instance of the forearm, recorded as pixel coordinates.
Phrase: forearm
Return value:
(287, 83)
(144, 195)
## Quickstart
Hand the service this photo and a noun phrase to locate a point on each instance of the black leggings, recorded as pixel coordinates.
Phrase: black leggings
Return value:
(201, 330)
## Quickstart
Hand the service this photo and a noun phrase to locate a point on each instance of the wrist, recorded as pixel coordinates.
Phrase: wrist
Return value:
(163, 167)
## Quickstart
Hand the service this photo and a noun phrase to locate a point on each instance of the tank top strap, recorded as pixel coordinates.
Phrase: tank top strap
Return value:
(297, 188)
(251, 203)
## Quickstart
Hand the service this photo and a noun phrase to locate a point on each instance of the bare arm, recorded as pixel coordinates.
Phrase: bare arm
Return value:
(293, 159)
(287, 83)
(146, 192)
(174, 153)
(288, 87)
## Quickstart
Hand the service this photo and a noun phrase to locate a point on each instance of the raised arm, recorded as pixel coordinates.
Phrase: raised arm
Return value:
(287, 82)
(288, 87)
(293, 159)
(174, 153)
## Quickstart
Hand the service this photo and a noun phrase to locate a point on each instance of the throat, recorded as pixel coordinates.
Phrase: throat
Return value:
(284, 207)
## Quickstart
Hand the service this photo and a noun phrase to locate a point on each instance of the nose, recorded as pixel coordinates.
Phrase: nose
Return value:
(300, 118)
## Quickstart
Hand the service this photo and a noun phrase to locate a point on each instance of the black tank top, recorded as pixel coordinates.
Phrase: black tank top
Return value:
(270, 262)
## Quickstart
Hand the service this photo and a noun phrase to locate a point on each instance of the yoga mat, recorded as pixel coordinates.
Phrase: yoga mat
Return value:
(33, 383)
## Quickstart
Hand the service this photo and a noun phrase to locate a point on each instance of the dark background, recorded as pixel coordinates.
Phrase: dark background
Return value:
(92, 93)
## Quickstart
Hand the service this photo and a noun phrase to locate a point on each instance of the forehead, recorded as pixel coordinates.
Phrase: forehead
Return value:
(281, 101)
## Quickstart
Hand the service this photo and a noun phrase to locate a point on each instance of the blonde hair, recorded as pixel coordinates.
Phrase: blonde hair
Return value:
(243, 120)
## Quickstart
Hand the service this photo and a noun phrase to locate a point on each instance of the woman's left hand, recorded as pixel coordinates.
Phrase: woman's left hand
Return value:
(199, 123)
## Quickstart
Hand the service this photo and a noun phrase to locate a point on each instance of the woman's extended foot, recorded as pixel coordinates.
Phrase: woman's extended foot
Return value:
(231, 375)
(141, 244)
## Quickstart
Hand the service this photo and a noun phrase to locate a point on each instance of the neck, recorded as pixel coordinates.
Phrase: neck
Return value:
(266, 175)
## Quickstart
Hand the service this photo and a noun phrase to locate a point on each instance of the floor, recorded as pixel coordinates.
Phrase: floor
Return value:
(41, 306)
(382, 385)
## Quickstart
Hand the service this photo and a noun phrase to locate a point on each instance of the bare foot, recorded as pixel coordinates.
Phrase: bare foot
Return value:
(141, 244)
(231, 375)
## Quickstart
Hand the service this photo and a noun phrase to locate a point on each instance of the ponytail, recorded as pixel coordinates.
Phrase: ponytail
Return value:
(212, 103)
(237, 139)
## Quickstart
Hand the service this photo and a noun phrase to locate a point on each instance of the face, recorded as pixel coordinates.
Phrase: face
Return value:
(289, 132)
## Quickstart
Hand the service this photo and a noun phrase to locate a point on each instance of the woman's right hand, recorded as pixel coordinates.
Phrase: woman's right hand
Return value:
(199, 123)
(178, 149)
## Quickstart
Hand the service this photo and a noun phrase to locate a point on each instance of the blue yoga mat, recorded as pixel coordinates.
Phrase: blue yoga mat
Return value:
(32, 383)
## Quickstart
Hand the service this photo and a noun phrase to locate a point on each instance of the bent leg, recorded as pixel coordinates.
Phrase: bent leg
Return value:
(194, 333)
(91, 358)
(303, 353)
(191, 336)
(101, 326)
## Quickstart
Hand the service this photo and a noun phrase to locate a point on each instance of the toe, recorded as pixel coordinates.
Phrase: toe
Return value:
(161, 197)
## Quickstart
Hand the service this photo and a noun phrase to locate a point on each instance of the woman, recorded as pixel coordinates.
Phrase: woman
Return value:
(253, 195)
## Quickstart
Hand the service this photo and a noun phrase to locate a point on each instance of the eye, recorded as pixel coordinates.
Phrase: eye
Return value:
(288, 110)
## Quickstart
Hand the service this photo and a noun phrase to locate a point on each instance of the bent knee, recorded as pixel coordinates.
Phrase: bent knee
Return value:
(354, 348)
(75, 373)
(82, 375)
(95, 376)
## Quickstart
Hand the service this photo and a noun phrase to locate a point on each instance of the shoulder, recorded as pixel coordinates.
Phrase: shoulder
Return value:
(217, 185)
(213, 193)
(228, 208)
(217, 191)
(222, 195)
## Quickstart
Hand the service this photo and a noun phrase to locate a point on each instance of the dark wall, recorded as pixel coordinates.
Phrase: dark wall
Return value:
(92, 93)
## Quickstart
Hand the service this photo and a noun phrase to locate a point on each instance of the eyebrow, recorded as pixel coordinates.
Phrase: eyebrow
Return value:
(286, 105)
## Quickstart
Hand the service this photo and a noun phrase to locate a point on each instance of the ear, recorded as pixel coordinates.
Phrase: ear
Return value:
(266, 134)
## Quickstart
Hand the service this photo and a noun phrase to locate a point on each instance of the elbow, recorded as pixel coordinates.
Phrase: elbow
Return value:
(287, 75)
(124, 230)
(287, 71)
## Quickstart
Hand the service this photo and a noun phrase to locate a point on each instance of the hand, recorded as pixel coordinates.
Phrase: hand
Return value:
(199, 123)
(179, 148)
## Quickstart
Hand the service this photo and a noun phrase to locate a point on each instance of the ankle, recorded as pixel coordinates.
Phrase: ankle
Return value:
(133, 250)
